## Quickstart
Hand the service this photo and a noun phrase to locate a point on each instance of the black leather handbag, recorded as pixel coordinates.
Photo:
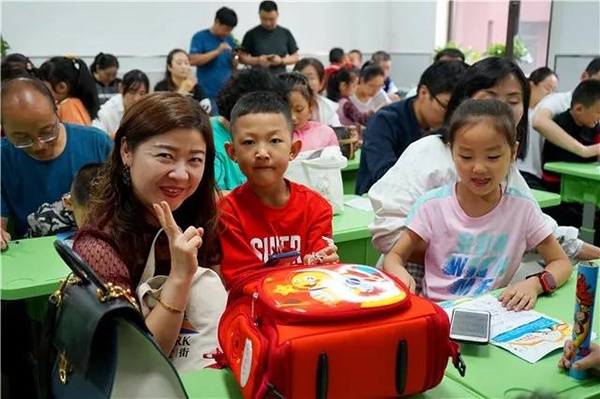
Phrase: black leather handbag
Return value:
(97, 344)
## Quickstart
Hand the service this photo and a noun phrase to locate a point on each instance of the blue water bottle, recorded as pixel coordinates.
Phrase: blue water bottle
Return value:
(585, 295)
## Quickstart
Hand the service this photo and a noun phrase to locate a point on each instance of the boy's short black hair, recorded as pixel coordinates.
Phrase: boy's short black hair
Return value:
(587, 93)
(261, 102)
(226, 16)
(593, 67)
(267, 6)
(336, 55)
(449, 52)
(82, 183)
(442, 76)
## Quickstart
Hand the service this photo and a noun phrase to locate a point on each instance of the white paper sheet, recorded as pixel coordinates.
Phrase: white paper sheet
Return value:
(529, 335)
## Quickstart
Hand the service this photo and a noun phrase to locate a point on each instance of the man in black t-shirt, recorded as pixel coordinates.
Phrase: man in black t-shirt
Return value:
(268, 44)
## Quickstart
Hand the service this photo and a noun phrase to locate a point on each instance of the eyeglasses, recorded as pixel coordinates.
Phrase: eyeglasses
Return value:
(437, 100)
(43, 137)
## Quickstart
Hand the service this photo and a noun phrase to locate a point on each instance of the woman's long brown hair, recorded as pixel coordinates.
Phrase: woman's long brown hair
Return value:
(113, 203)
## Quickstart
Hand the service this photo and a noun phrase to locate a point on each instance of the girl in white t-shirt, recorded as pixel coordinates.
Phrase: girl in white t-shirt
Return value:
(477, 230)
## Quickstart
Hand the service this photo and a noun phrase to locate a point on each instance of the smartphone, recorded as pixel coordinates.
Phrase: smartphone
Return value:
(284, 258)
(470, 326)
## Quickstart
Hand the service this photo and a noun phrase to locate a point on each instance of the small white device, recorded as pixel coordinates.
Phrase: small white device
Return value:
(470, 326)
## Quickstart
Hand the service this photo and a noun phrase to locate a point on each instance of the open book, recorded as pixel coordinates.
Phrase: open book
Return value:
(528, 334)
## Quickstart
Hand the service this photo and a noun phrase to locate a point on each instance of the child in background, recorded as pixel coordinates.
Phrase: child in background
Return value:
(16, 64)
(337, 60)
(313, 135)
(178, 78)
(269, 214)
(580, 122)
(134, 85)
(341, 85)
(104, 70)
(471, 246)
(355, 58)
(323, 110)
(77, 200)
(369, 94)
(384, 60)
(73, 89)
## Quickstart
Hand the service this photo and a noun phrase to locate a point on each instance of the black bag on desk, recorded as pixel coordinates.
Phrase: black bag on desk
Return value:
(102, 347)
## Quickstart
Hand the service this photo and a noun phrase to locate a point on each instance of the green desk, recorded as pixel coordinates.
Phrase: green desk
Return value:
(580, 182)
(31, 268)
(495, 373)
(216, 384)
(546, 199)
(352, 237)
(349, 173)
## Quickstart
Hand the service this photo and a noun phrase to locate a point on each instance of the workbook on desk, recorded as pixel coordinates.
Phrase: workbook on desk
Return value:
(529, 335)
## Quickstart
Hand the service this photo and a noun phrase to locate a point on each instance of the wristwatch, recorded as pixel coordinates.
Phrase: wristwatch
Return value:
(546, 280)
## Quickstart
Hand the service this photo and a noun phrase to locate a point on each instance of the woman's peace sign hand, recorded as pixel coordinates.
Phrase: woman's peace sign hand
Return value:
(183, 245)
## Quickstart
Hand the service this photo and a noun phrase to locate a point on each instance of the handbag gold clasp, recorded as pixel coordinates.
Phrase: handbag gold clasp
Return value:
(115, 291)
(64, 368)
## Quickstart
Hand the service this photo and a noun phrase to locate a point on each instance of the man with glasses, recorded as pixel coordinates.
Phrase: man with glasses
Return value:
(39, 155)
(395, 126)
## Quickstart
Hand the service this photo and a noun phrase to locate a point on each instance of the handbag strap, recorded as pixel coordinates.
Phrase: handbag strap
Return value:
(78, 266)
(150, 267)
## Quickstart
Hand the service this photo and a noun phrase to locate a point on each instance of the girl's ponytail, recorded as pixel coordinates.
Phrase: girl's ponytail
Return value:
(85, 88)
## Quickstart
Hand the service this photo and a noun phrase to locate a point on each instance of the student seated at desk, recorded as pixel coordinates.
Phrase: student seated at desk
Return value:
(269, 214)
(227, 172)
(73, 88)
(160, 175)
(323, 109)
(312, 134)
(77, 199)
(40, 155)
(427, 163)
(580, 122)
(471, 246)
(366, 99)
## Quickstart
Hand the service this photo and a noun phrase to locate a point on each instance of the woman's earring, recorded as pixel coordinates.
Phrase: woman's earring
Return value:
(126, 176)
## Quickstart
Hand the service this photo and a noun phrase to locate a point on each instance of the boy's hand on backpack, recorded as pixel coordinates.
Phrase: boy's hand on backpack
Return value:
(521, 296)
(182, 244)
(326, 255)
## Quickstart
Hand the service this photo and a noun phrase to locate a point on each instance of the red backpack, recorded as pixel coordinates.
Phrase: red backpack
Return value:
(333, 331)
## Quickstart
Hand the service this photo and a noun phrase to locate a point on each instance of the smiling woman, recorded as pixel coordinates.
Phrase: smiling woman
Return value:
(160, 174)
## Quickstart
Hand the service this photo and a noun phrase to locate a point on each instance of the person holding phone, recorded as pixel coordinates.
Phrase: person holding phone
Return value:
(268, 215)
(268, 44)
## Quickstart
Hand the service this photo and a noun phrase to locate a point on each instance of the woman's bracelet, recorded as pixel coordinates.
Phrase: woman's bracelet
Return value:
(170, 308)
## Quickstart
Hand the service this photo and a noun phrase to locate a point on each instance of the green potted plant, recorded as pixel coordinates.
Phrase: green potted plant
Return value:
(520, 53)
(3, 46)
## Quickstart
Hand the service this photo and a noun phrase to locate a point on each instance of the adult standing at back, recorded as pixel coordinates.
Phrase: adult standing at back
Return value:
(212, 53)
(397, 125)
(268, 44)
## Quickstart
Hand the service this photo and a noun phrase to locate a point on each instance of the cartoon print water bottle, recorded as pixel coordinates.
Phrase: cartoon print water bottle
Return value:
(585, 294)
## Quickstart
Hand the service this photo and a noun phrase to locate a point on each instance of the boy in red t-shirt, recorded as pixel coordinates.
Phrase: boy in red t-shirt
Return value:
(269, 214)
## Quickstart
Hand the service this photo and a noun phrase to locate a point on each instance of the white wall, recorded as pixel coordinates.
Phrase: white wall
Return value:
(574, 39)
(141, 33)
